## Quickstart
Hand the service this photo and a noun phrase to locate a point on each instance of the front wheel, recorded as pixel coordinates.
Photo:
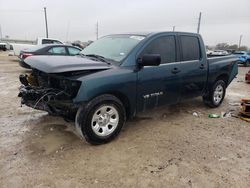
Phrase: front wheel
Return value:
(101, 120)
(215, 96)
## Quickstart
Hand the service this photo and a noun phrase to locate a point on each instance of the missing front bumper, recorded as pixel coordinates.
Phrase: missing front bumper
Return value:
(53, 101)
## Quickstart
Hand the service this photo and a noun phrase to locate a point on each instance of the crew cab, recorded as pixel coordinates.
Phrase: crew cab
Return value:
(118, 76)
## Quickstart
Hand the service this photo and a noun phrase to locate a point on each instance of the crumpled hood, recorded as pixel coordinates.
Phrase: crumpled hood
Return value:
(60, 64)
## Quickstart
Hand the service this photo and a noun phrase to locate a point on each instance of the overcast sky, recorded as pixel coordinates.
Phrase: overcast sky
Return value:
(222, 20)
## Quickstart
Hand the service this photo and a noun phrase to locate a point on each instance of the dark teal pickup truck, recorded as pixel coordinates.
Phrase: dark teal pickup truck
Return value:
(120, 75)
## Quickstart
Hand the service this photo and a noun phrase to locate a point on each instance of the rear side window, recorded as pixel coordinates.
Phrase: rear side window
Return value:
(56, 42)
(190, 48)
(49, 41)
(165, 46)
(45, 41)
(57, 50)
(73, 51)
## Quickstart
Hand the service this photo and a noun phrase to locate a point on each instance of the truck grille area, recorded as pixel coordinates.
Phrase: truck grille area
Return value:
(51, 93)
(67, 86)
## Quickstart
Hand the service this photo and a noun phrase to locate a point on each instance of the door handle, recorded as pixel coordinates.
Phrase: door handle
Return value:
(202, 66)
(175, 70)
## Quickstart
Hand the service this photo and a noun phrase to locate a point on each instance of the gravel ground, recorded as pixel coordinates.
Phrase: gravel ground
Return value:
(166, 147)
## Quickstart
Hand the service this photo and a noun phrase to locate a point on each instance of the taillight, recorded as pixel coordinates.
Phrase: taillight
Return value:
(25, 55)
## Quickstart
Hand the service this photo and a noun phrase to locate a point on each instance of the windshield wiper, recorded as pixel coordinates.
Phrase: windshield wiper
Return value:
(99, 57)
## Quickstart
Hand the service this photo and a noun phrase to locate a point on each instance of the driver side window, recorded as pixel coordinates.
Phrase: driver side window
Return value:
(165, 46)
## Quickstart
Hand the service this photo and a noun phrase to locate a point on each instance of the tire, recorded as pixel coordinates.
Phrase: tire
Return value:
(247, 63)
(100, 120)
(215, 96)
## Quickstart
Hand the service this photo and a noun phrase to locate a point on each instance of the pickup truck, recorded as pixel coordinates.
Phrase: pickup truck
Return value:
(18, 47)
(118, 76)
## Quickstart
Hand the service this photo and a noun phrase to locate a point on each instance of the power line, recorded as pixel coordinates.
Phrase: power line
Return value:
(19, 10)
(97, 30)
(1, 34)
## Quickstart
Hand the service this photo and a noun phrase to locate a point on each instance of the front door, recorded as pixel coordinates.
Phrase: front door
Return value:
(159, 85)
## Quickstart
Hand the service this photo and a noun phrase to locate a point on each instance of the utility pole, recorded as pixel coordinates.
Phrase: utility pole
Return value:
(97, 30)
(1, 34)
(199, 23)
(46, 22)
(67, 34)
(240, 41)
(174, 28)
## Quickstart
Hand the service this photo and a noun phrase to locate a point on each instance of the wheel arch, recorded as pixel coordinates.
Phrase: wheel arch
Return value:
(224, 77)
(124, 99)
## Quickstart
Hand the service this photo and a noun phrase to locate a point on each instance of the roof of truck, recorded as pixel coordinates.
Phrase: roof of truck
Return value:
(153, 33)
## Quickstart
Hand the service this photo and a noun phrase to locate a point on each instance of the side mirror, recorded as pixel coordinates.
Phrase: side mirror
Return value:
(149, 60)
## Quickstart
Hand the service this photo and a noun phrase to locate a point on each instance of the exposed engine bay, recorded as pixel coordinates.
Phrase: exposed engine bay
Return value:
(50, 92)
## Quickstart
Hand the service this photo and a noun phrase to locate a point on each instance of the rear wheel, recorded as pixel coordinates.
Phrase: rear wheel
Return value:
(215, 96)
(101, 120)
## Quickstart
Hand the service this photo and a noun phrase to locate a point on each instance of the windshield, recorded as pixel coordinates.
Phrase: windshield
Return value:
(114, 47)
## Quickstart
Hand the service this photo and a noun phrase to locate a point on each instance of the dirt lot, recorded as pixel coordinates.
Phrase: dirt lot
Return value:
(166, 147)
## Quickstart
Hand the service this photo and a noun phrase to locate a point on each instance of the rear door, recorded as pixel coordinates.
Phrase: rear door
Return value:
(159, 85)
(193, 66)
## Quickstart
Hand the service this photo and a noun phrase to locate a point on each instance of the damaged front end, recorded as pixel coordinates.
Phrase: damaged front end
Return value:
(53, 93)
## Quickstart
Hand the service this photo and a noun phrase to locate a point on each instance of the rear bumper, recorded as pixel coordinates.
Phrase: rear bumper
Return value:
(23, 64)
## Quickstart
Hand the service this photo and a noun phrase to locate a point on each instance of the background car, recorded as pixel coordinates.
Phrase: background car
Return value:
(50, 49)
(209, 52)
(219, 52)
(243, 57)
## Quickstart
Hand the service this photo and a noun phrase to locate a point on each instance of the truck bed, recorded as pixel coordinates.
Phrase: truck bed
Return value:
(226, 65)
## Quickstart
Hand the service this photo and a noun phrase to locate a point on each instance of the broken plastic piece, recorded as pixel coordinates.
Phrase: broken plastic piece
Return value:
(226, 114)
(214, 116)
(195, 114)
